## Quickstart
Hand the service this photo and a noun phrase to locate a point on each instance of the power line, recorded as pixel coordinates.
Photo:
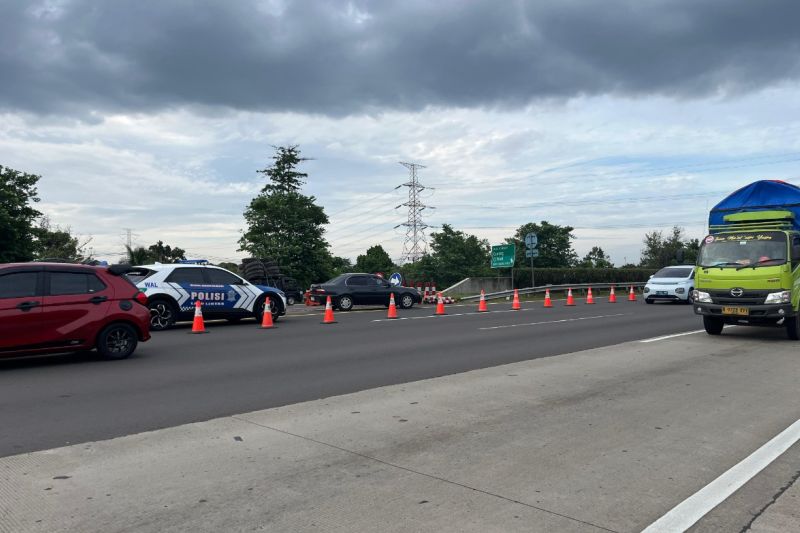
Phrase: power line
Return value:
(603, 201)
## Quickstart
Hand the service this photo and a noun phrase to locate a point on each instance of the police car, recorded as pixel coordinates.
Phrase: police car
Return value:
(173, 289)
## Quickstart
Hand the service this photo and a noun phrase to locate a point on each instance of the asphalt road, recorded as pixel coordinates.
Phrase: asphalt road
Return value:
(178, 378)
(672, 432)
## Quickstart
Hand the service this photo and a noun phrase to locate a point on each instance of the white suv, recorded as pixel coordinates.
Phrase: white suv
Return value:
(173, 289)
(674, 283)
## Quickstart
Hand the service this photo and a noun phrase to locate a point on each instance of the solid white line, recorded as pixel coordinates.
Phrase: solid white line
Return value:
(555, 321)
(664, 337)
(700, 503)
(451, 314)
(654, 339)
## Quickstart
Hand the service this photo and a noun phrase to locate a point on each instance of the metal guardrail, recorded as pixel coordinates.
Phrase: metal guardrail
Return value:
(556, 288)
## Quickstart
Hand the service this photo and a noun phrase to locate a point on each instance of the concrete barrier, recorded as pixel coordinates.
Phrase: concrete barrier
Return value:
(470, 286)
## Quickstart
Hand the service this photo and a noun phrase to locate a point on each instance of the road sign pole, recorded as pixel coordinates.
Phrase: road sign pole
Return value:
(532, 282)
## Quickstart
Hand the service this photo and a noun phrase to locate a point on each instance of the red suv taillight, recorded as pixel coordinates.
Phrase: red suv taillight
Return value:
(141, 298)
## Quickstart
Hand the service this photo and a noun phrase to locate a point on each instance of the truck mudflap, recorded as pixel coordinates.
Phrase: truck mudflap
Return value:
(751, 314)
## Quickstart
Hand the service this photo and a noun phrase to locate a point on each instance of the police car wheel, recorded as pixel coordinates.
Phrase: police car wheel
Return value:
(258, 311)
(406, 301)
(162, 315)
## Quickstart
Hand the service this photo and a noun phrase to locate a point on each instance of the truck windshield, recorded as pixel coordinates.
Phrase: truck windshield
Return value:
(735, 250)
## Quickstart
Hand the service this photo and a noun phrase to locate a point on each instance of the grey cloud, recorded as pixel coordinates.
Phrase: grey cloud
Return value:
(79, 56)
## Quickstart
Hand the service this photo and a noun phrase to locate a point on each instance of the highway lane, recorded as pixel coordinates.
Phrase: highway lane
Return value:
(609, 439)
(179, 378)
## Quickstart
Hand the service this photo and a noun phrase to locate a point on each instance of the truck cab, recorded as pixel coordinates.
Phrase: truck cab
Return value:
(748, 268)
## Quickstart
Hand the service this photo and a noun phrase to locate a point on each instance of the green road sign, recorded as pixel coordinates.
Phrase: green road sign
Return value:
(503, 255)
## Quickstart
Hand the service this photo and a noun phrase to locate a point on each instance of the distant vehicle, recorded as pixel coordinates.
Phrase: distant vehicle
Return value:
(267, 272)
(673, 284)
(61, 307)
(173, 289)
(348, 290)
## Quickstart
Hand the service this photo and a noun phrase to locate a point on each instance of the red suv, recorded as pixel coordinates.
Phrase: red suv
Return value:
(58, 307)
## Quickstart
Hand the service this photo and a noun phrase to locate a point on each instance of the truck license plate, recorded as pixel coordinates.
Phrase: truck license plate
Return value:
(735, 311)
(661, 293)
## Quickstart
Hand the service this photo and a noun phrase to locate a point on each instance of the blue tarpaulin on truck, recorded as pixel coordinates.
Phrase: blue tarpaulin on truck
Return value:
(764, 195)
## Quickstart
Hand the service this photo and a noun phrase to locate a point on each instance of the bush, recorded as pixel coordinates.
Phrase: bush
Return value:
(565, 276)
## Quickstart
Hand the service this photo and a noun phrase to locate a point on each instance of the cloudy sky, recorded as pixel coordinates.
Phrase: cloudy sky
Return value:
(615, 117)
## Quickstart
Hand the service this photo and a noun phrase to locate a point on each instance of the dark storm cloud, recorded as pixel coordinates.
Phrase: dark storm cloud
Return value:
(62, 56)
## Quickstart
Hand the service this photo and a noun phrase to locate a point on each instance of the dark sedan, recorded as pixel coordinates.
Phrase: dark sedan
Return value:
(348, 290)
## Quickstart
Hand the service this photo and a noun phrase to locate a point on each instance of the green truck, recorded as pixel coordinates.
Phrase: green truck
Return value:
(748, 267)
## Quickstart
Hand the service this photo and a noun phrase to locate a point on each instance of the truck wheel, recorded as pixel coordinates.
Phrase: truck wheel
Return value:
(648, 300)
(793, 327)
(713, 325)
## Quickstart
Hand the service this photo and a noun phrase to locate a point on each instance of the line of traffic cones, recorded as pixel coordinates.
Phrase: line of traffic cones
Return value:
(198, 325)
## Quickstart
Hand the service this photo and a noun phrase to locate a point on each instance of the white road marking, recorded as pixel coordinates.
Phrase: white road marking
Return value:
(654, 339)
(700, 503)
(450, 314)
(555, 321)
(664, 337)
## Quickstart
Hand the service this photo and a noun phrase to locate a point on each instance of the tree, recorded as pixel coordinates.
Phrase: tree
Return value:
(374, 260)
(456, 255)
(339, 265)
(54, 242)
(137, 256)
(286, 225)
(227, 265)
(596, 258)
(555, 245)
(663, 250)
(165, 253)
(17, 216)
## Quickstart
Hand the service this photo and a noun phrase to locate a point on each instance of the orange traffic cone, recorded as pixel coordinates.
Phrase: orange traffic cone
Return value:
(589, 297)
(440, 306)
(570, 299)
(197, 325)
(515, 304)
(328, 312)
(482, 304)
(266, 319)
(632, 295)
(547, 301)
(392, 307)
(612, 297)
